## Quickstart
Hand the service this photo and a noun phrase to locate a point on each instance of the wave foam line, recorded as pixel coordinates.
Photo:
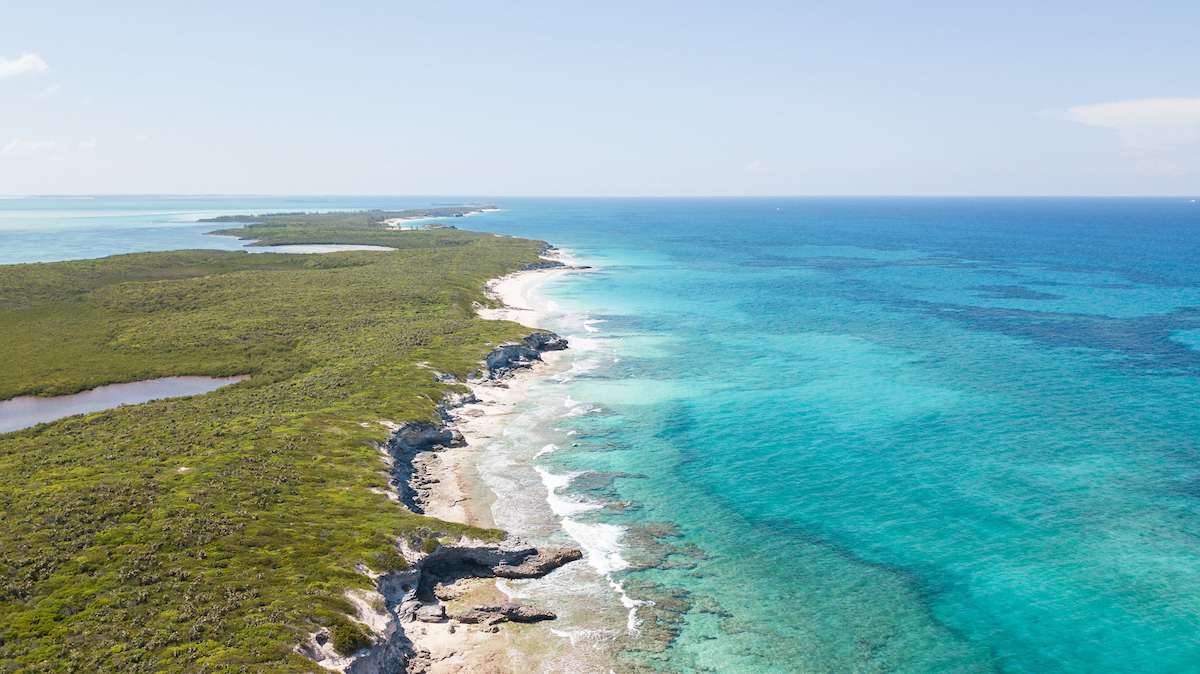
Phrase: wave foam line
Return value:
(600, 541)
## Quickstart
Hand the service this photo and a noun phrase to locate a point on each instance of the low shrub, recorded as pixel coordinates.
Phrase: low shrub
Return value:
(348, 636)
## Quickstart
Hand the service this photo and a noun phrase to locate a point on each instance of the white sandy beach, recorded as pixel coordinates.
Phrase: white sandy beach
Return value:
(461, 494)
(409, 223)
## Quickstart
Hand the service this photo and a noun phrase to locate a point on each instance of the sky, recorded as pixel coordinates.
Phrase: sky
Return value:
(610, 98)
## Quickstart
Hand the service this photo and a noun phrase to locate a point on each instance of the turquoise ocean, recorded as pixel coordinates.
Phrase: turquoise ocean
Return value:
(842, 435)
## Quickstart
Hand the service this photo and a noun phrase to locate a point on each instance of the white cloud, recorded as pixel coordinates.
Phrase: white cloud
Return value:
(25, 147)
(21, 65)
(1153, 124)
(55, 150)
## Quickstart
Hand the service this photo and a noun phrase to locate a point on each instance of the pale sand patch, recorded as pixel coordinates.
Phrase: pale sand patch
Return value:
(405, 224)
(469, 649)
(516, 294)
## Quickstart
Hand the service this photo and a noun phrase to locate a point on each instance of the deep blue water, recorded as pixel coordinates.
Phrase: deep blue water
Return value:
(893, 435)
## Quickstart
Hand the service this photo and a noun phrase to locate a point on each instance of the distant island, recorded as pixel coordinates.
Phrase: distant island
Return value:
(369, 227)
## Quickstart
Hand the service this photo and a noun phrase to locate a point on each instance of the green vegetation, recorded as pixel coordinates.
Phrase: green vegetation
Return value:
(360, 227)
(348, 636)
(213, 533)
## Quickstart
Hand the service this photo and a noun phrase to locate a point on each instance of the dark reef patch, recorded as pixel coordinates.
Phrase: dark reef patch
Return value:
(1142, 341)
(1003, 292)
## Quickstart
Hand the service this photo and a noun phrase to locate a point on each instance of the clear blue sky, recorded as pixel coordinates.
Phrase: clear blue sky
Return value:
(600, 98)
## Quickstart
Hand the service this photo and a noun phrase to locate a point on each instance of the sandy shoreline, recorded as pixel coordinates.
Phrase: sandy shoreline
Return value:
(458, 493)
(403, 224)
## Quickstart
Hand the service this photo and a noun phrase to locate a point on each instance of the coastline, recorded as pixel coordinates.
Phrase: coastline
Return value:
(456, 486)
(459, 495)
(463, 604)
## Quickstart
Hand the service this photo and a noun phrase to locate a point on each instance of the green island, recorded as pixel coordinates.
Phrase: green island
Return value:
(373, 227)
(214, 533)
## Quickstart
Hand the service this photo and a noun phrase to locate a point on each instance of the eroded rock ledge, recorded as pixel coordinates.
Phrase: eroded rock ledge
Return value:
(415, 595)
(547, 262)
(506, 358)
(411, 596)
(412, 482)
(449, 564)
(491, 614)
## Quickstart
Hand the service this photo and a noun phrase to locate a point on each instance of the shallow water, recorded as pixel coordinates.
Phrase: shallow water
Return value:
(45, 229)
(26, 411)
(314, 248)
(903, 435)
(886, 435)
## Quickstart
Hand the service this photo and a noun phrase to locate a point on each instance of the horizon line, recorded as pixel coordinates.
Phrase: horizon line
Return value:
(51, 195)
